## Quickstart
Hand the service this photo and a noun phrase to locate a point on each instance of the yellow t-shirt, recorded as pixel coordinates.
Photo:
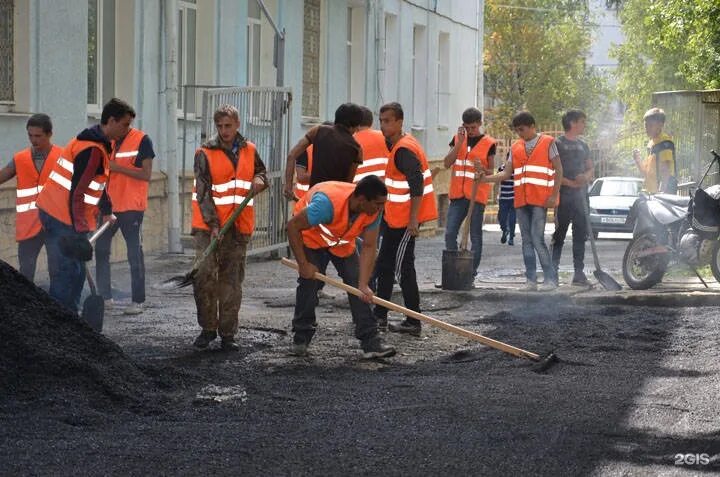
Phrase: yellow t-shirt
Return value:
(649, 169)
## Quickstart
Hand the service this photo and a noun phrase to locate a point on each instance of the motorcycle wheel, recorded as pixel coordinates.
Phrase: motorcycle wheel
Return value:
(641, 273)
(715, 263)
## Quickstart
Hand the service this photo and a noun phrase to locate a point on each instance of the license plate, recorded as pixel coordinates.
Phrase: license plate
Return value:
(612, 220)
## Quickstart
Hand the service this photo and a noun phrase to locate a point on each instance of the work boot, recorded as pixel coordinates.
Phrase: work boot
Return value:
(133, 309)
(299, 347)
(228, 344)
(580, 280)
(406, 326)
(382, 323)
(205, 338)
(374, 348)
(503, 237)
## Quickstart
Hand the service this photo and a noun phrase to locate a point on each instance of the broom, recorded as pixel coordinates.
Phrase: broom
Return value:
(182, 281)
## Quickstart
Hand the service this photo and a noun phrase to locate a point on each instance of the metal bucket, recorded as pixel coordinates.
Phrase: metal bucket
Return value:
(457, 270)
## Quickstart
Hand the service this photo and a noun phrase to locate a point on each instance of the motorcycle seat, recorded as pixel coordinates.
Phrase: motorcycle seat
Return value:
(677, 200)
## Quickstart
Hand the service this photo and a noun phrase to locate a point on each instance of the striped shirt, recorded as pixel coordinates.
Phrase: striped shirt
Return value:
(507, 191)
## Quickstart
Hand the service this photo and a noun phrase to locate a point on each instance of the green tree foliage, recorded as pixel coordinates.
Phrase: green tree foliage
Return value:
(669, 45)
(535, 52)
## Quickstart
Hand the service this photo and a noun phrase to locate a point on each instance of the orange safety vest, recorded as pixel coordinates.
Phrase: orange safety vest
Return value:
(397, 207)
(339, 235)
(127, 193)
(301, 187)
(375, 153)
(534, 176)
(230, 186)
(463, 170)
(29, 184)
(54, 199)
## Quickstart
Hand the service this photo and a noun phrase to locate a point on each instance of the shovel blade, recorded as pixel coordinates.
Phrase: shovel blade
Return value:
(607, 281)
(93, 312)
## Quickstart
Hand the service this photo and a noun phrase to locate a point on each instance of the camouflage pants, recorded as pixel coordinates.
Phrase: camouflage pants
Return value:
(218, 284)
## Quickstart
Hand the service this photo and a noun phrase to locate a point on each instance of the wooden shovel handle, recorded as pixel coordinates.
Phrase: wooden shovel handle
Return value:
(468, 219)
(499, 345)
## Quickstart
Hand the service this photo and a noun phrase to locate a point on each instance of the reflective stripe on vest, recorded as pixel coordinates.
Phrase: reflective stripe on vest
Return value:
(375, 154)
(229, 188)
(29, 184)
(128, 193)
(397, 208)
(534, 176)
(339, 235)
(301, 188)
(54, 198)
(463, 170)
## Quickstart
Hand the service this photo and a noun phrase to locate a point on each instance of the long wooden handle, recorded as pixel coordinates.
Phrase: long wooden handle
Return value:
(230, 221)
(468, 220)
(499, 345)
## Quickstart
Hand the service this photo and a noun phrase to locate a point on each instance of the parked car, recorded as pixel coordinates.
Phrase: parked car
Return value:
(610, 201)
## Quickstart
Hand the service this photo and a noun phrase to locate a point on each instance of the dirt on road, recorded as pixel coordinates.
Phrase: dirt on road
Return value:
(635, 392)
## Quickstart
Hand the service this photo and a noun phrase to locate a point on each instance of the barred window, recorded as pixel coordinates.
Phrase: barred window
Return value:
(311, 59)
(6, 50)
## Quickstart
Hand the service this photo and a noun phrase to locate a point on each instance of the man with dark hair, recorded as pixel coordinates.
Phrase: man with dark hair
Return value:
(536, 169)
(130, 173)
(227, 168)
(471, 154)
(74, 195)
(336, 154)
(32, 167)
(324, 228)
(374, 149)
(411, 201)
(577, 174)
(659, 167)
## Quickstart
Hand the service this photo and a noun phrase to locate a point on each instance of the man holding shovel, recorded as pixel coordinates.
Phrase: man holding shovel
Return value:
(471, 153)
(324, 228)
(227, 169)
(73, 196)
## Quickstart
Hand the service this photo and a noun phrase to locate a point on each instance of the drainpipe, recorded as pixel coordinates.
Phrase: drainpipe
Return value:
(479, 75)
(171, 132)
(279, 46)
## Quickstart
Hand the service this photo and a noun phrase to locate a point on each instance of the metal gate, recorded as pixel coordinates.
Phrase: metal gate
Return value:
(265, 121)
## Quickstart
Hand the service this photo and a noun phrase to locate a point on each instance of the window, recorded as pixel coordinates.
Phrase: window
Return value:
(101, 52)
(187, 27)
(392, 58)
(443, 78)
(6, 50)
(253, 43)
(356, 55)
(419, 82)
(311, 59)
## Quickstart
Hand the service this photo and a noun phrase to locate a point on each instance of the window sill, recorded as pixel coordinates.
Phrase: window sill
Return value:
(442, 127)
(417, 128)
(307, 121)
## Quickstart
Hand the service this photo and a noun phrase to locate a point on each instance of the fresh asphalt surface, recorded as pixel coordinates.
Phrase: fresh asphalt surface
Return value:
(635, 392)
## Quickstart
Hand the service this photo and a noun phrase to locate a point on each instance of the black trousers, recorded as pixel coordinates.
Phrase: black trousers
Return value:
(396, 259)
(130, 224)
(304, 320)
(569, 211)
(28, 251)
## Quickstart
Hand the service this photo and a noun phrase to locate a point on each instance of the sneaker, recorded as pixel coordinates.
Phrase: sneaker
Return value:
(405, 327)
(133, 309)
(299, 349)
(109, 304)
(530, 286)
(511, 241)
(228, 344)
(503, 237)
(374, 348)
(204, 339)
(382, 323)
(549, 285)
(580, 280)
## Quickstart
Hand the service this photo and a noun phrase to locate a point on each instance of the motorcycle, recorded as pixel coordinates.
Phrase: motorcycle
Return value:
(670, 229)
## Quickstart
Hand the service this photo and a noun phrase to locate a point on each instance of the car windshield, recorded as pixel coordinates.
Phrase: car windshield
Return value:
(616, 188)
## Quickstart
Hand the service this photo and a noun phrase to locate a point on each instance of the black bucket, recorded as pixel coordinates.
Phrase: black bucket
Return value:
(457, 270)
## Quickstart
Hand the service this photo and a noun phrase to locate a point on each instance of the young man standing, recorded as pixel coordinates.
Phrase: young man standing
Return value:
(471, 152)
(536, 169)
(324, 228)
(373, 146)
(506, 209)
(410, 202)
(130, 172)
(659, 167)
(577, 174)
(227, 168)
(32, 167)
(73, 196)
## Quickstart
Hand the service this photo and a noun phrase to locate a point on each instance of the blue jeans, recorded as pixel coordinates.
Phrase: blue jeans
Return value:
(532, 220)
(130, 224)
(506, 217)
(67, 275)
(457, 211)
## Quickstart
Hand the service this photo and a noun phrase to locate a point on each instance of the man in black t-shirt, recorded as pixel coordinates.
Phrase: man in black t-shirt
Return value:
(577, 174)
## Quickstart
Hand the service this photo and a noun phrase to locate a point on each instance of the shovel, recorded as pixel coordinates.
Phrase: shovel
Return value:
(93, 310)
(608, 282)
(457, 265)
(182, 281)
(542, 362)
